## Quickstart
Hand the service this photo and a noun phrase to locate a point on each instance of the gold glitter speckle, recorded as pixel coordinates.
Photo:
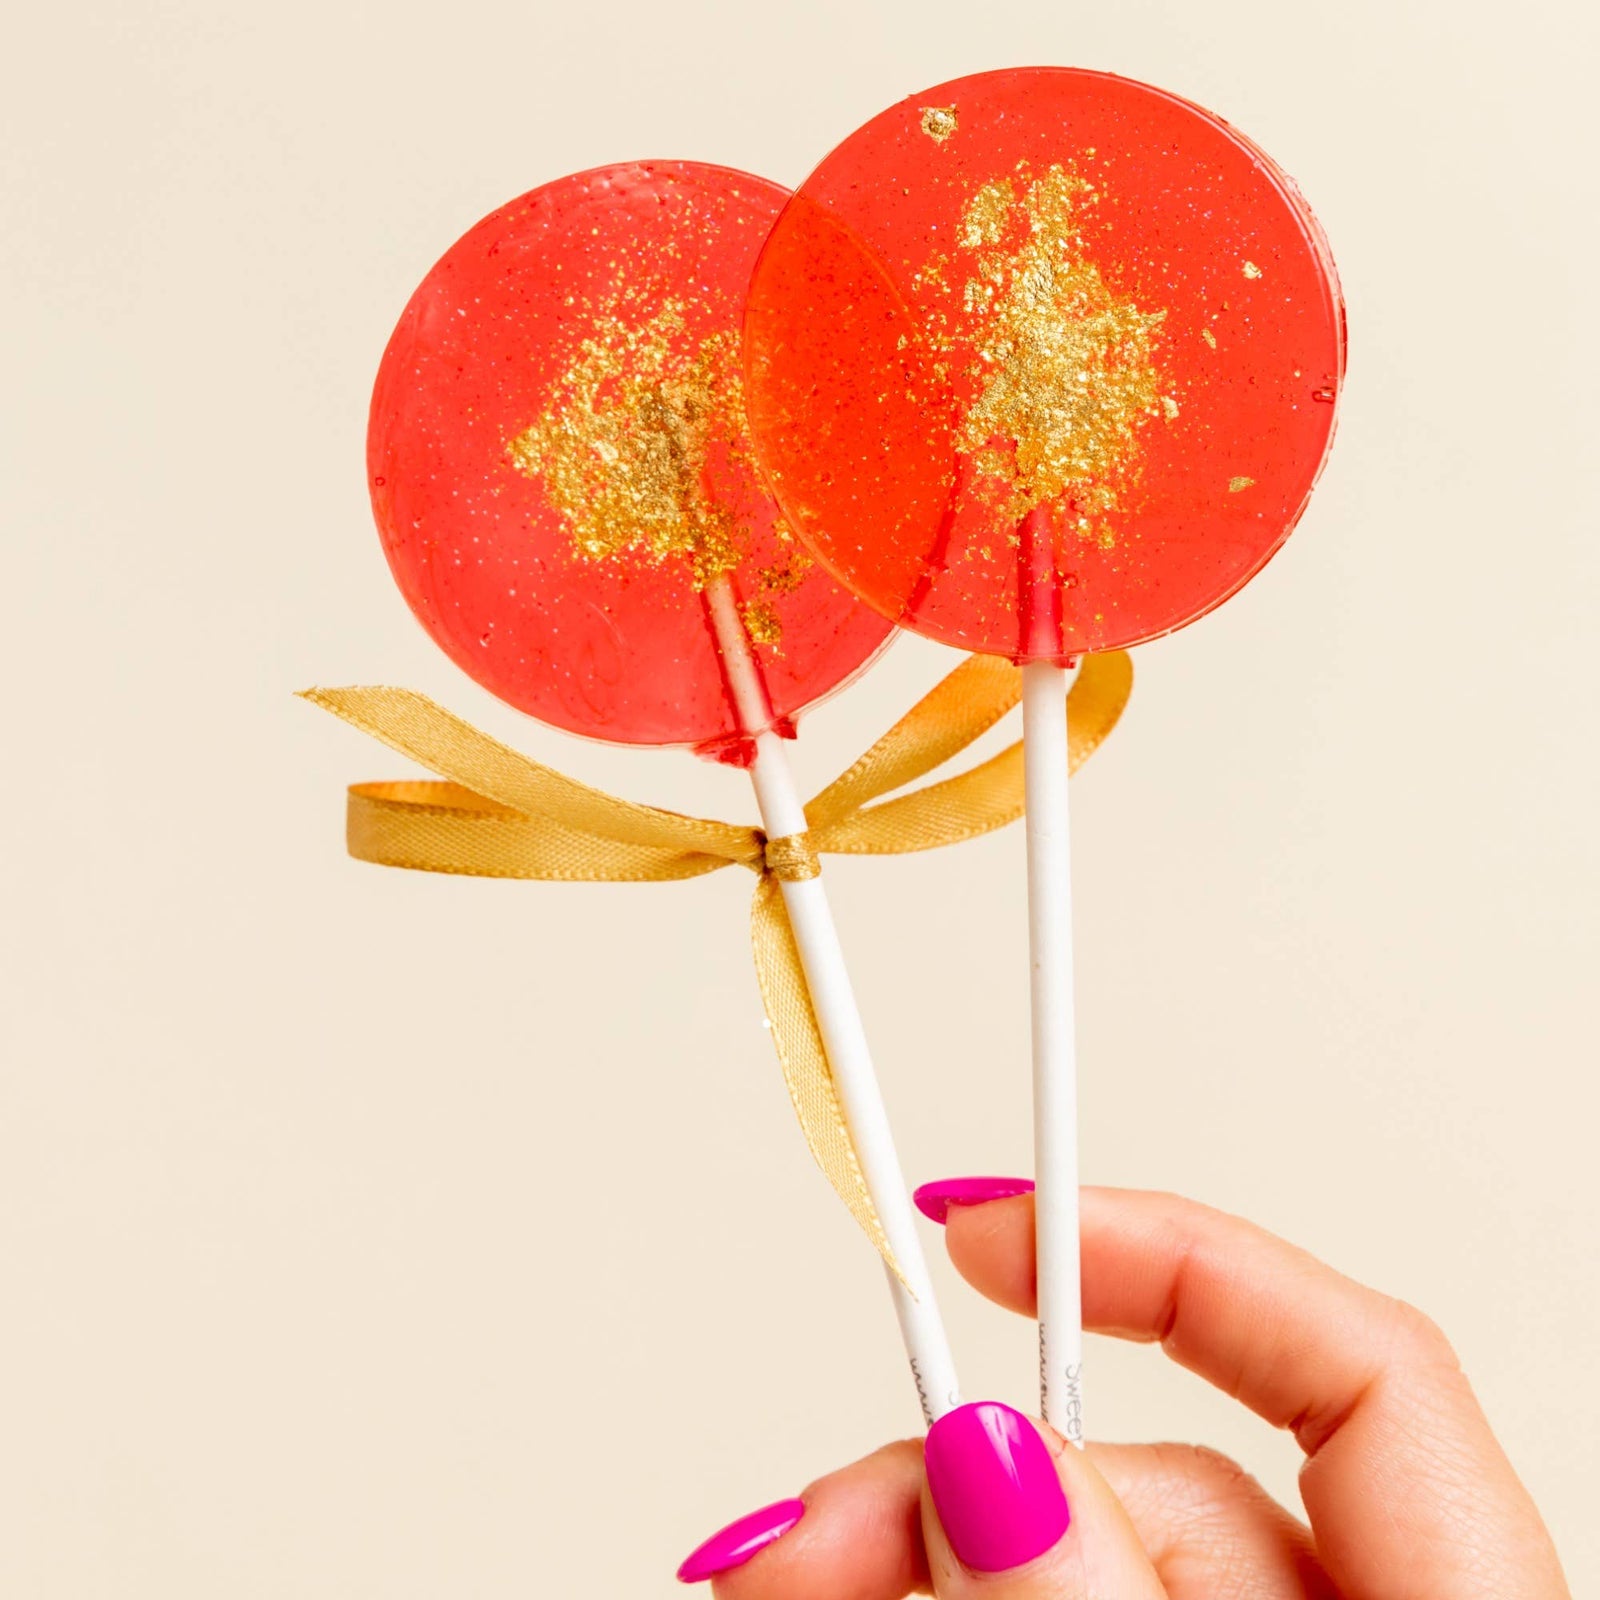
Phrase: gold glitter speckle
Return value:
(1251, 270)
(629, 430)
(985, 216)
(1209, 337)
(787, 574)
(1236, 484)
(761, 622)
(938, 122)
(1063, 364)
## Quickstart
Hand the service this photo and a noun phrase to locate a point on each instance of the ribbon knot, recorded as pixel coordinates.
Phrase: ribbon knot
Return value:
(792, 858)
(499, 814)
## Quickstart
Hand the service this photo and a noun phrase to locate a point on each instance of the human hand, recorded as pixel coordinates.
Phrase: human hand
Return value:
(1408, 1493)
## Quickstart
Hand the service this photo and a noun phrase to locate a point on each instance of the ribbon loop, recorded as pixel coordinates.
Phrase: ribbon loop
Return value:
(960, 708)
(499, 814)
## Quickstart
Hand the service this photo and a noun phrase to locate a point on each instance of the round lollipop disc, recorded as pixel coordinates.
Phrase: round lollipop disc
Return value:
(561, 468)
(1044, 361)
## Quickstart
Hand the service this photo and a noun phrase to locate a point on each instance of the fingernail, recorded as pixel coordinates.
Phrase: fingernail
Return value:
(935, 1199)
(994, 1486)
(735, 1544)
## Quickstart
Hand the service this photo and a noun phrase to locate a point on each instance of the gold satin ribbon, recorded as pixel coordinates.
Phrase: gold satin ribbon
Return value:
(502, 815)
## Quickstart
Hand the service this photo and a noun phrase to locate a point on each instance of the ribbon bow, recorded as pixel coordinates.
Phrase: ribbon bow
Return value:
(502, 815)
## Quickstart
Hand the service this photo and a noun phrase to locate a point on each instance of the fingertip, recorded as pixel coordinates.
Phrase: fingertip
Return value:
(995, 1487)
(741, 1541)
(1013, 1510)
(935, 1200)
(992, 1247)
(859, 1539)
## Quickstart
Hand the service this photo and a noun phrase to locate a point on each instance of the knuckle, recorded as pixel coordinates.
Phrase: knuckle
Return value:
(1203, 1481)
(1219, 1468)
(1419, 1337)
(1223, 1480)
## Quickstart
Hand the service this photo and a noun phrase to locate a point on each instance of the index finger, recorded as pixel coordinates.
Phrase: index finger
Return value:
(1406, 1487)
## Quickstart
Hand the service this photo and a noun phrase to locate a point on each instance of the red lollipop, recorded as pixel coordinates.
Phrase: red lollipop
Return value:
(1043, 362)
(560, 466)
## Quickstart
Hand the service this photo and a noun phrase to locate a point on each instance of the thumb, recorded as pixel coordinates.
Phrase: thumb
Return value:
(1014, 1513)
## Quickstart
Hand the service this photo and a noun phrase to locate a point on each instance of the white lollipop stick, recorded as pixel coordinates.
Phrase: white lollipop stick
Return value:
(833, 1000)
(1055, 1055)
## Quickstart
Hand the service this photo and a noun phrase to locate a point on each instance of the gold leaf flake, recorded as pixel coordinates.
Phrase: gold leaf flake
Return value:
(986, 214)
(1063, 364)
(629, 428)
(938, 122)
(1236, 484)
(1251, 270)
(761, 622)
(787, 574)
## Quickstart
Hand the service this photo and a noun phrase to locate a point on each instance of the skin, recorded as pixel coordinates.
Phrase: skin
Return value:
(1408, 1494)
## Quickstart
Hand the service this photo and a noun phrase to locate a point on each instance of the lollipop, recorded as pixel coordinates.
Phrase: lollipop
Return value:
(561, 470)
(1042, 362)
(562, 476)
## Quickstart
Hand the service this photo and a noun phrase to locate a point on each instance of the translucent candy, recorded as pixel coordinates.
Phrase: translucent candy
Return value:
(561, 469)
(1043, 361)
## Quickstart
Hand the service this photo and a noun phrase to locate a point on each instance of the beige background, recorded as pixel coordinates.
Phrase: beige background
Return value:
(365, 1234)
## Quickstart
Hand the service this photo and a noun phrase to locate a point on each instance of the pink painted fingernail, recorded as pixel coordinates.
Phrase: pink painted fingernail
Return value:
(935, 1199)
(740, 1540)
(994, 1486)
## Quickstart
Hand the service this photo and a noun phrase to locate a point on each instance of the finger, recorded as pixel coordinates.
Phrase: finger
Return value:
(1262, 1320)
(1211, 1531)
(992, 1246)
(1014, 1513)
(858, 1537)
(1407, 1489)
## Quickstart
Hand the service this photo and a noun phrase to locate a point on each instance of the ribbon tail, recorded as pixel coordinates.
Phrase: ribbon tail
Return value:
(804, 1059)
